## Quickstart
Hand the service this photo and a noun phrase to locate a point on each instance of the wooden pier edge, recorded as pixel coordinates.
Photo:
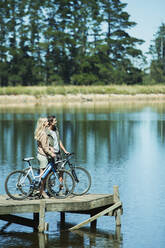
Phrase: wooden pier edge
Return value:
(114, 210)
(116, 205)
(96, 205)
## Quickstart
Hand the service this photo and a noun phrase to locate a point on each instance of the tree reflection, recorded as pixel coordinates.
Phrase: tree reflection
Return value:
(83, 133)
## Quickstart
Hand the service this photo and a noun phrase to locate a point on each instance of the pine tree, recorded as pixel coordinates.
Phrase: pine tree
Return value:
(3, 43)
(76, 41)
(157, 51)
(119, 45)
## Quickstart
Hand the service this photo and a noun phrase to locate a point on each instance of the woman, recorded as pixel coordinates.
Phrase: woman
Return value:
(44, 149)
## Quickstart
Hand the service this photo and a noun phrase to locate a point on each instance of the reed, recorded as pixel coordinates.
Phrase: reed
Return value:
(64, 90)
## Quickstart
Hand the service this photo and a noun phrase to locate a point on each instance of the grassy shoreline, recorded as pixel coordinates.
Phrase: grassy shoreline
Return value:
(39, 91)
(82, 95)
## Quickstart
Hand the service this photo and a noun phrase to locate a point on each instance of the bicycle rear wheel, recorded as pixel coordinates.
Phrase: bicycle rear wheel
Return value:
(18, 185)
(82, 180)
(60, 184)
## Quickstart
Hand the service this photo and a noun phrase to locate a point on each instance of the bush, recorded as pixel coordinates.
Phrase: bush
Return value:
(84, 79)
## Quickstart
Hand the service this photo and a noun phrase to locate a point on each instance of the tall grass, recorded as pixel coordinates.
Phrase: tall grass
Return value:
(64, 90)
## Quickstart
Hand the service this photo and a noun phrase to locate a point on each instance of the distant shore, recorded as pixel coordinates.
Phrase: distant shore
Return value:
(53, 95)
(30, 100)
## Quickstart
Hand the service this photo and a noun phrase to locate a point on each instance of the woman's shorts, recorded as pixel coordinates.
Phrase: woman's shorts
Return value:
(42, 160)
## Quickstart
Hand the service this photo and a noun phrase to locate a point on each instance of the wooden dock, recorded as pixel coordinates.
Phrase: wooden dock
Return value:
(96, 205)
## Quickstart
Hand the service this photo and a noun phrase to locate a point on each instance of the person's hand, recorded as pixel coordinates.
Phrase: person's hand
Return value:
(67, 153)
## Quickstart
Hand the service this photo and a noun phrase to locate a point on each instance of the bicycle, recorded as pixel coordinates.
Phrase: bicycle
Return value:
(81, 176)
(21, 184)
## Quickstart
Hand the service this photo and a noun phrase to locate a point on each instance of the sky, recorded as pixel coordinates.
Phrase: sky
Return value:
(148, 14)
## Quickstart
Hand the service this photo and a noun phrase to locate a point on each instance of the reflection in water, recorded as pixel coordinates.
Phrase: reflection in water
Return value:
(81, 238)
(119, 146)
(102, 136)
(17, 140)
(23, 239)
(95, 239)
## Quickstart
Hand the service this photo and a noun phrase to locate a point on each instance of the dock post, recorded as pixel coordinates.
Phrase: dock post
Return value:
(36, 221)
(42, 240)
(43, 226)
(62, 215)
(118, 233)
(117, 212)
(116, 193)
(93, 224)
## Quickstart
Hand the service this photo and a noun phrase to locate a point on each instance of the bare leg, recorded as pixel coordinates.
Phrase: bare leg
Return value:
(42, 192)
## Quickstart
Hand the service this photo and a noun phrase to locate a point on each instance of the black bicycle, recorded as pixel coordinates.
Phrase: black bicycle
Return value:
(21, 184)
(81, 176)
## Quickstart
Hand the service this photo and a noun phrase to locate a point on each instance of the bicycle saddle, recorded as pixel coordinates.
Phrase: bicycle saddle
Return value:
(28, 159)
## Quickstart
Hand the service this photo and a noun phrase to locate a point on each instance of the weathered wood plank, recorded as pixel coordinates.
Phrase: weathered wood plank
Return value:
(94, 204)
(42, 225)
(116, 205)
(75, 203)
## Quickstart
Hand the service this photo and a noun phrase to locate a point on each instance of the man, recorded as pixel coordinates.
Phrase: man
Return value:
(55, 142)
(54, 137)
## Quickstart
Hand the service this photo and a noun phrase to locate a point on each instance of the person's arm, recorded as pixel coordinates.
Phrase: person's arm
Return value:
(45, 146)
(63, 148)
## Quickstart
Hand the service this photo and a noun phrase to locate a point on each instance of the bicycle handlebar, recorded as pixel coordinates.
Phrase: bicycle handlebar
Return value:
(69, 154)
(68, 157)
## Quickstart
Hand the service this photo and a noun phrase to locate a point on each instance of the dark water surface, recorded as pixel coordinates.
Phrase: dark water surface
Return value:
(120, 145)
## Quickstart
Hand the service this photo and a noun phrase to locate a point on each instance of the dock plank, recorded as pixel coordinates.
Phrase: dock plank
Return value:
(95, 205)
(72, 203)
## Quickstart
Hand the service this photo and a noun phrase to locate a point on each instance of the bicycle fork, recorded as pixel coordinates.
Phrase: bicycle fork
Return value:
(74, 175)
(73, 172)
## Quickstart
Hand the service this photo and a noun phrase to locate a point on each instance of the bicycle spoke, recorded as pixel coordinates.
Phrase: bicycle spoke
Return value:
(60, 185)
(17, 185)
(82, 180)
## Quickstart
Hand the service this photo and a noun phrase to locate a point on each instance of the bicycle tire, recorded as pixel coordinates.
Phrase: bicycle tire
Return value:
(53, 184)
(14, 188)
(83, 184)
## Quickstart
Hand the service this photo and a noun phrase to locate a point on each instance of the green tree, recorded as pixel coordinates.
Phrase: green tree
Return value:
(157, 52)
(4, 66)
(119, 45)
(111, 48)
(35, 27)
(76, 41)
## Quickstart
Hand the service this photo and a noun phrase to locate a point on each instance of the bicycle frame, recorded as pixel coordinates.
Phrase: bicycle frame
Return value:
(39, 177)
(71, 166)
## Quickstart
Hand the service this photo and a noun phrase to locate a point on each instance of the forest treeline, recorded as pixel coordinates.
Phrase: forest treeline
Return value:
(75, 42)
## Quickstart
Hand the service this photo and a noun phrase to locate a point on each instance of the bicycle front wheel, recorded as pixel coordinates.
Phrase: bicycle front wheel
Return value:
(82, 180)
(18, 185)
(60, 184)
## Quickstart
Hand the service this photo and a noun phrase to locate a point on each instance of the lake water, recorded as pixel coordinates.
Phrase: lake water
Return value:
(122, 145)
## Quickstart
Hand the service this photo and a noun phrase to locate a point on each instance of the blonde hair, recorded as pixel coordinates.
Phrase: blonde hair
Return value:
(41, 125)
